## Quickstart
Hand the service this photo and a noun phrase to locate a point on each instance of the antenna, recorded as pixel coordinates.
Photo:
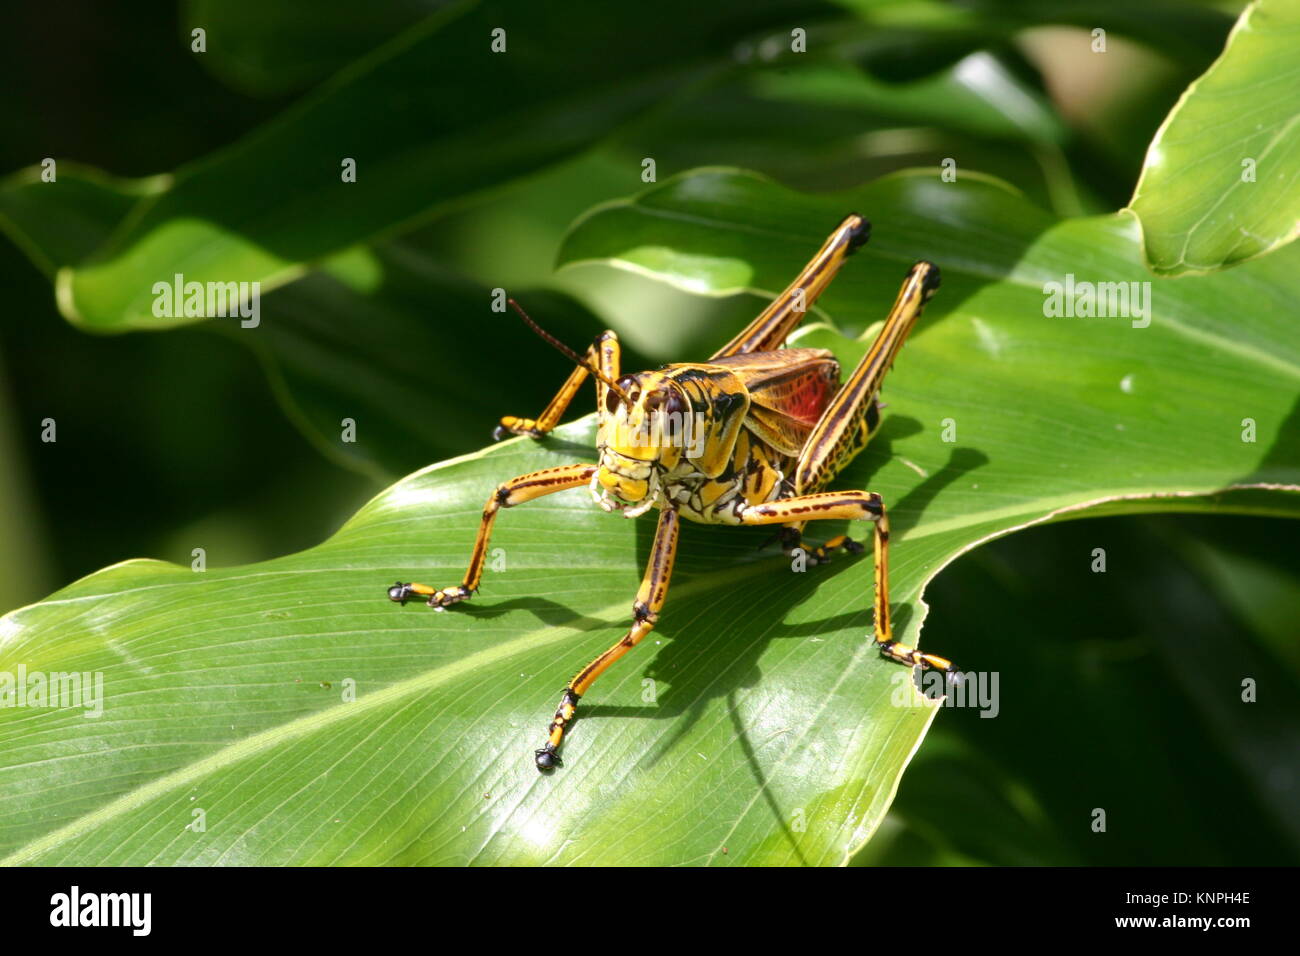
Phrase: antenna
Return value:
(568, 353)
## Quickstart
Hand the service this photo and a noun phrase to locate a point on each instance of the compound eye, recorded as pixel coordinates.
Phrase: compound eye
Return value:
(626, 385)
(665, 400)
(674, 404)
(670, 407)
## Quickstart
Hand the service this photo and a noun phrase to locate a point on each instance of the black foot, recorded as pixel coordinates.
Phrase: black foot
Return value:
(401, 593)
(820, 554)
(501, 432)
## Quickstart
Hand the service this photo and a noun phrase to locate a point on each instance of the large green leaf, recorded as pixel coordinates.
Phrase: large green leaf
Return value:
(223, 694)
(771, 715)
(1221, 182)
(431, 118)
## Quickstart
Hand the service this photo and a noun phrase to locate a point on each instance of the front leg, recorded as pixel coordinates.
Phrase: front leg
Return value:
(604, 355)
(513, 492)
(645, 613)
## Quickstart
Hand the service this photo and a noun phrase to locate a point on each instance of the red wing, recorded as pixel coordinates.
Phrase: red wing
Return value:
(794, 382)
(788, 391)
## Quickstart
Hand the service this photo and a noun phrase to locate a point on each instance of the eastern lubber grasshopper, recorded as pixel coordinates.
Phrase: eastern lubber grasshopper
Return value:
(750, 437)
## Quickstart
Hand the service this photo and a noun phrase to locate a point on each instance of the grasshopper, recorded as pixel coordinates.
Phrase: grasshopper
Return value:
(750, 437)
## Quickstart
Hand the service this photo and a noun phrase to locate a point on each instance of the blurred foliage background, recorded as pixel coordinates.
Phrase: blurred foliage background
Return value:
(184, 437)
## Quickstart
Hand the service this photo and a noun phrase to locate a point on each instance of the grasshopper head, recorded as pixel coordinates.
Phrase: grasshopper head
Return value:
(680, 419)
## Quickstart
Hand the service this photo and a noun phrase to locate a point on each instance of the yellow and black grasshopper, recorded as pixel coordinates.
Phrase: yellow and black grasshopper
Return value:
(750, 437)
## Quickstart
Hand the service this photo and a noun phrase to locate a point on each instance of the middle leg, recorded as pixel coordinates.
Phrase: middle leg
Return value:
(791, 538)
(853, 506)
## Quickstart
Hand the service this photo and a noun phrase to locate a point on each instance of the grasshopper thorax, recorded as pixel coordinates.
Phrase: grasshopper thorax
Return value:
(672, 424)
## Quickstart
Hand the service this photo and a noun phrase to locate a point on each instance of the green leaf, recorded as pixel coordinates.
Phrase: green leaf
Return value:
(407, 351)
(376, 334)
(977, 96)
(215, 699)
(770, 714)
(723, 231)
(431, 118)
(272, 49)
(1221, 183)
(852, 127)
(910, 34)
(61, 222)
(1188, 32)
